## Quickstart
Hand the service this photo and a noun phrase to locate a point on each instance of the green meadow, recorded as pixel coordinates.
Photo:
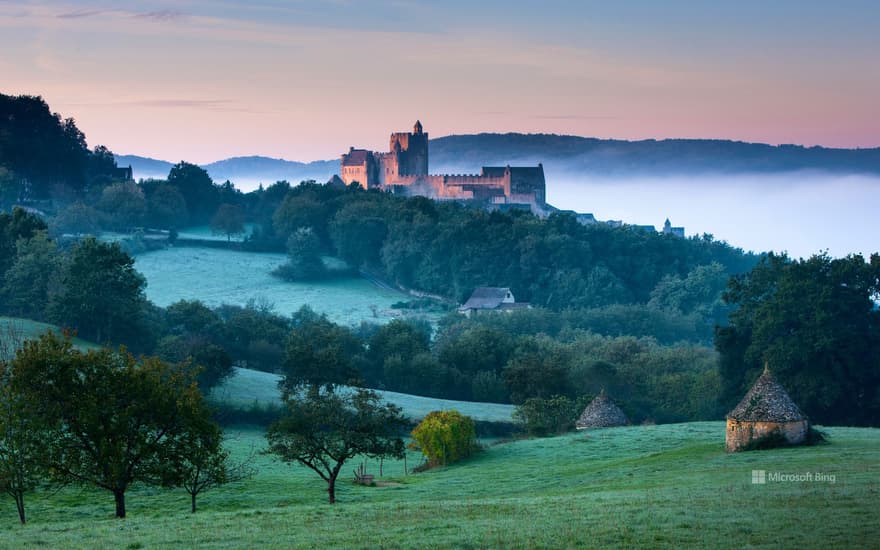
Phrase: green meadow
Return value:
(217, 276)
(27, 329)
(666, 486)
(248, 387)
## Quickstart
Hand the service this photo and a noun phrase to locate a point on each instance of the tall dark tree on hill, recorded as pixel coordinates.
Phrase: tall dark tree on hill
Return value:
(115, 420)
(47, 151)
(816, 323)
(101, 294)
(201, 195)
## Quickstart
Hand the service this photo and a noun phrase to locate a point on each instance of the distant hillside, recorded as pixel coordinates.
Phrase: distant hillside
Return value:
(615, 157)
(560, 155)
(245, 172)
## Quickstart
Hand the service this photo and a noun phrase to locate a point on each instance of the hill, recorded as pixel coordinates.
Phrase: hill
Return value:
(247, 387)
(245, 172)
(561, 155)
(668, 486)
(31, 330)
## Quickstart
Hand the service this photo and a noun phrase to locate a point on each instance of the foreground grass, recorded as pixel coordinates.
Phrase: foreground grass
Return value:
(654, 486)
(248, 387)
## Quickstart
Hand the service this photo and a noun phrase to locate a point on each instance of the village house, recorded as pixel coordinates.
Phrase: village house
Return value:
(487, 298)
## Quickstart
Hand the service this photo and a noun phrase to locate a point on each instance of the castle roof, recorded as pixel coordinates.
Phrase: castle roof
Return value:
(487, 297)
(355, 157)
(767, 401)
(601, 413)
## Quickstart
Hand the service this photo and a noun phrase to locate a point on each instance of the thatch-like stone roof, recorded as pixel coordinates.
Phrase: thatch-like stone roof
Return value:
(601, 413)
(767, 401)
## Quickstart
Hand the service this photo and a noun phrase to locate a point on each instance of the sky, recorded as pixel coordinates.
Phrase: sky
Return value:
(305, 79)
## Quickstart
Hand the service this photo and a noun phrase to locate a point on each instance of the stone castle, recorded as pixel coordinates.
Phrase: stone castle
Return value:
(404, 170)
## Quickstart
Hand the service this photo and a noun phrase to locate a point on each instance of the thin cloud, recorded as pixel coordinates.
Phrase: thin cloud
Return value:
(78, 14)
(576, 117)
(160, 16)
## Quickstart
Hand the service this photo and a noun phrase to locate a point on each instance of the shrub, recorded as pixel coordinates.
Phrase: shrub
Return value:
(545, 417)
(445, 437)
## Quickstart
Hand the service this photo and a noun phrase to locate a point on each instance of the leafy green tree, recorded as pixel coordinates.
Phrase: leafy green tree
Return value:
(816, 323)
(202, 197)
(77, 219)
(318, 353)
(212, 362)
(26, 286)
(539, 368)
(166, 207)
(445, 437)
(323, 430)
(101, 294)
(545, 417)
(22, 435)
(19, 224)
(358, 231)
(304, 261)
(229, 221)
(115, 420)
(123, 205)
(401, 340)
(298, 210)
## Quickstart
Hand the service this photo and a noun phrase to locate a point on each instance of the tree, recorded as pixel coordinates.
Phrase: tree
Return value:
(200, 461)
(544, 417)
(816, 323)
(198, 190)
(166, 207)
(124, 205)
(77, 219)
(22, 438)
(25, 288)
(229, 221)
(115, 421)
(324, 429)
(445, 437)
(101, 293)
(304, 257)
(539, 368)
(318, 353)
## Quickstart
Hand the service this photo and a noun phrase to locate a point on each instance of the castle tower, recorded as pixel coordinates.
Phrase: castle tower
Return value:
(411, 151)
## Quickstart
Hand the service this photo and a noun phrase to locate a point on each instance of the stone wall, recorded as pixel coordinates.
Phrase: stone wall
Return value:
(741, 433)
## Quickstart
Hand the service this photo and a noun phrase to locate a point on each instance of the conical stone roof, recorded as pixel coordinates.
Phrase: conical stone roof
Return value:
(767, 401)
(601, 413)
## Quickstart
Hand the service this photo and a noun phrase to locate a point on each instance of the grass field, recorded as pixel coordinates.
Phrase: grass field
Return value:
(247, 387)
(27, 329)
(667, 486)
(229, 277)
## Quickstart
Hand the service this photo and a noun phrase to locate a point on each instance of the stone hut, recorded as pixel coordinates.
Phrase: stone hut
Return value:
(766, 410)
(601, 413)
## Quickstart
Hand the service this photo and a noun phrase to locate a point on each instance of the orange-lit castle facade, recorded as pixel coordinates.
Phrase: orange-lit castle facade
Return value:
(404, 169)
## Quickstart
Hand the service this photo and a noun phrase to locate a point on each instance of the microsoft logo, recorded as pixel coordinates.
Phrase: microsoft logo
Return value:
(759, 477)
